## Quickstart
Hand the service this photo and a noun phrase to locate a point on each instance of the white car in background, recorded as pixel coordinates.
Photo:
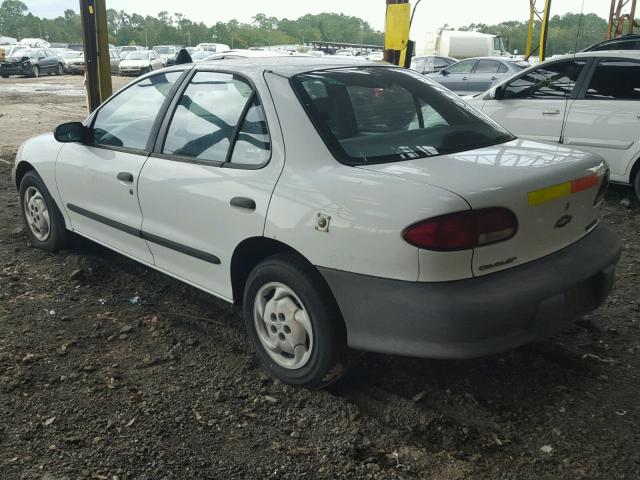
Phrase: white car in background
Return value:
(341, 204)
(590, 101)
(139, 63)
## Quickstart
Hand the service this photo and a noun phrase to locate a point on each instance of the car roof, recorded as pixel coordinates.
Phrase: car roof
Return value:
(633, 54)
(287, 66)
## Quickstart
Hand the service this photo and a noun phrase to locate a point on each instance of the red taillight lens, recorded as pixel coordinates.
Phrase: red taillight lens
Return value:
(463, 230)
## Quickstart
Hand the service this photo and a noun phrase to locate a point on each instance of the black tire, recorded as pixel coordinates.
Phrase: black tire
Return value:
(59, 236)
(35, 72)
(636, 184)
(325, 363)
(60, 69)
(5, 76)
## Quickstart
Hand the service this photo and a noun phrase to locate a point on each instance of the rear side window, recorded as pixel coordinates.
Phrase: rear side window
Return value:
(615, 80)
(490, 66)
(549, 81)
(377, 115)
(208, 120)
(466, 66)
(126, 120)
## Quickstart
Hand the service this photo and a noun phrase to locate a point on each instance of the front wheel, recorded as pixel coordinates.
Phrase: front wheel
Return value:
(5, 76)
(293, 322)
(35, 71)
(42, 218)
(60, 69)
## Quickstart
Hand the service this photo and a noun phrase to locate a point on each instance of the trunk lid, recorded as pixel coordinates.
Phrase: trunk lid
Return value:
(550, 188)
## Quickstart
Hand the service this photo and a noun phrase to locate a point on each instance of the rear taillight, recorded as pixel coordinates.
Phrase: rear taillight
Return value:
(604, 186)
(463, 230)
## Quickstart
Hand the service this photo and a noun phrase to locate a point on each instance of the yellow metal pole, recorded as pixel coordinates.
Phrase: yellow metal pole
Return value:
(532, 14)
(104, 59)
(544, 30)
(396, 34)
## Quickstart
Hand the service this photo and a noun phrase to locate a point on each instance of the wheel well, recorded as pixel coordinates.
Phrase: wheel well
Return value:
(23, 168)
(634, 171)
(247, 255)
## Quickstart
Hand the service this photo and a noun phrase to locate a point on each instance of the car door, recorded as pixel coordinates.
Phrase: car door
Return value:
(605, 119)
(487, 72)
(456, 77)
(534, 103)
(207, 187)
(98, 179)
(51, 60)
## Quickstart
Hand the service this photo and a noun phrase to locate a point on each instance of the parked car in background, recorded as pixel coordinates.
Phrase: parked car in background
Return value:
(75, 66)
(475, 75)
(401, 222)
(128, 49)
(139, 63)
(213, 47)
(430, 63)
(31, 62)
(200, 56)
(114, 60)
(244, 53)
(168, 53)
(66, 56)
(589, 101)
(625, 42)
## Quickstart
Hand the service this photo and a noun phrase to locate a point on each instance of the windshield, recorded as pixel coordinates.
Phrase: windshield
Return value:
(23, 52)
(164, 50)
(137, 56)
(378, 115)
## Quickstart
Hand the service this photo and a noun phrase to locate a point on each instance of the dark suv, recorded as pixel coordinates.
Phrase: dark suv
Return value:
(625, 42)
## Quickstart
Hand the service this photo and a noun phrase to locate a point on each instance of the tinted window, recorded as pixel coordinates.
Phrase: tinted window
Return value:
(127, 119)
(462, 67)
(615, 80)
(549, 81)
(374, 115)
(253, 146)
(488, 66)
(439, 63)
(417, 64)
(205, 121)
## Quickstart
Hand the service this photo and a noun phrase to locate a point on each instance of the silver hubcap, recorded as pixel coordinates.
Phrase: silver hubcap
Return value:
(283, 325)
(37, 214)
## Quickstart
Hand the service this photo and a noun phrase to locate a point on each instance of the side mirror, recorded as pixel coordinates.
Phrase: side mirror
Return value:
(497, 93)
(72, 132)
(444, 72)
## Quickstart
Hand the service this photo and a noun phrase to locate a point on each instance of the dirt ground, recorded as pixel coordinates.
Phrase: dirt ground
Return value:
(94, 387)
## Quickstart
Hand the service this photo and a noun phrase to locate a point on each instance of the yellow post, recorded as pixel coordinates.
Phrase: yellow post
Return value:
(544, 30)
(532, 14)
(396, 34)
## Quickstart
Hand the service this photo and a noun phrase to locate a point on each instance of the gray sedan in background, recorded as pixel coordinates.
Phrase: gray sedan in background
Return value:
(477, 75)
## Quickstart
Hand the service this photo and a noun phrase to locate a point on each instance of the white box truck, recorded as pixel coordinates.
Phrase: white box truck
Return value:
(461, 45)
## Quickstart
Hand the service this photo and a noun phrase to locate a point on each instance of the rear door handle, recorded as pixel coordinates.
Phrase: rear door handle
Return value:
(551, 112)
(125, 178)
(494, 78)
(243, 202)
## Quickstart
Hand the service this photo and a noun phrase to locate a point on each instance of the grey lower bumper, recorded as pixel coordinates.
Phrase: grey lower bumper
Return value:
(478, 316)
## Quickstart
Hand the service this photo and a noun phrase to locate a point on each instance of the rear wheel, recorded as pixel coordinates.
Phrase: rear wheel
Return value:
(293, 322)
(42, 218)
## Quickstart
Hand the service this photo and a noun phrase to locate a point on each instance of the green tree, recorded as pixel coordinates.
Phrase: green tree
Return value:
(12, 16)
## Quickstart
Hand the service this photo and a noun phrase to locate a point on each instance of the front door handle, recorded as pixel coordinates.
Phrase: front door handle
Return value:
(243, 202)
(125, 178)
(465, 78)
(551, 112)
(494, 78)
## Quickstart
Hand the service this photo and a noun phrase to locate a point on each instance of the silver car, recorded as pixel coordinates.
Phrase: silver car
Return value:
(477, 75)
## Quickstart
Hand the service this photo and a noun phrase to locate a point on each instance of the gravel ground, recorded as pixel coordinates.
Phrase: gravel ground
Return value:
(95, 387)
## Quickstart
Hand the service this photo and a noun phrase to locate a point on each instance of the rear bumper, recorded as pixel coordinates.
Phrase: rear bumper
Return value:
(478, 316)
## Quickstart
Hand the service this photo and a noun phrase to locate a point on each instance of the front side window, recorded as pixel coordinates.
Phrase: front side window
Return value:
(206, 120)
(377, 115)
(615, 80)
(548, 81)
(464, 67)
(127, 119)
(417, 64)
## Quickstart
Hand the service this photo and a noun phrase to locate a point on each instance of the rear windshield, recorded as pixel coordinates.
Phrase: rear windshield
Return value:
(377, 115)
(137, 56)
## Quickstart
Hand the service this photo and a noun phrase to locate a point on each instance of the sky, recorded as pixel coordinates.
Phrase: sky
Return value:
(431, 14)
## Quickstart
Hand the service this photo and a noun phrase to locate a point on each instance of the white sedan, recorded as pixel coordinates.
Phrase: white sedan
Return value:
(589, 101)
(141, 62)
(343, 205)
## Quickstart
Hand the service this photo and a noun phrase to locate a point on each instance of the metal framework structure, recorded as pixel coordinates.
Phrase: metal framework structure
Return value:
(617, 19)
(542, 15)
